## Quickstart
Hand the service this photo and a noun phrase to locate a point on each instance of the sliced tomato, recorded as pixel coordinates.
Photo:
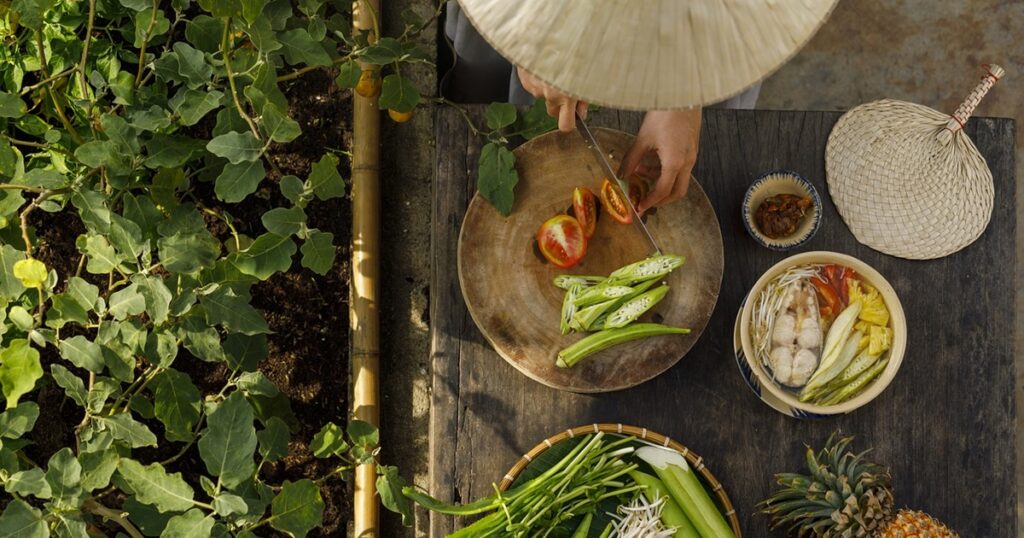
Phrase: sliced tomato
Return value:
(829, 303)
(614, 203)
(562, 241)
(637, 190)
(584, 207)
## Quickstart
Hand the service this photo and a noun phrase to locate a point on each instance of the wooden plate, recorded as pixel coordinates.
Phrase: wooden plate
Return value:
(507, 284)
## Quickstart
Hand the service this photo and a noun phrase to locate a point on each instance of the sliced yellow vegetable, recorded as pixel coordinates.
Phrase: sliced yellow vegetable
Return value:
(873, 308)
(880, 339)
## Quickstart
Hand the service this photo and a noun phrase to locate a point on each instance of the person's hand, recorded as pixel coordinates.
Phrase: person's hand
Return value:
(672, 136)
(560, 105)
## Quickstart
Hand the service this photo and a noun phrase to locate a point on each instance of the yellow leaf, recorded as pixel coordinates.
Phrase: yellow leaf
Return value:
(31, 272)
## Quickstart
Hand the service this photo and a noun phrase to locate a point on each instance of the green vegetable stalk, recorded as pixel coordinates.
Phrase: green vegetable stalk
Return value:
(600, 341)
(686, 490)
(583, 530)
(671, 514)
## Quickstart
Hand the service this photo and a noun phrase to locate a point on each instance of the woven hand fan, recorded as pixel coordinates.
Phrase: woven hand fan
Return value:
(650, 54)
(906, 178)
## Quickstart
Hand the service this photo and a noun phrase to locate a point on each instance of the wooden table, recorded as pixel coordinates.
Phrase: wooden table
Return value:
(945, 425)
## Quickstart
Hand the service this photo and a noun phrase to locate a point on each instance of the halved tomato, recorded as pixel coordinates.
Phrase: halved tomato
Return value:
(637, 190)
(584, 206)
(561, 240)
(614, 203)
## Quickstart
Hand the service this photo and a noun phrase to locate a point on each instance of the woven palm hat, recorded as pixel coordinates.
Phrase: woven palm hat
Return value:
(907, 179)
(648, 54)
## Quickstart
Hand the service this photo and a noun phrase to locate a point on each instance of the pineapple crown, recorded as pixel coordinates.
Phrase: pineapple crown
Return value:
(842, 496)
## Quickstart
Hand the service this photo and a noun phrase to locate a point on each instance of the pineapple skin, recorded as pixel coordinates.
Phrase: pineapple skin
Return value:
(915, 524)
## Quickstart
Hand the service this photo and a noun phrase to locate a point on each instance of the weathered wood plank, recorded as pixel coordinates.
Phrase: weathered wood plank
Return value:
(945, 426)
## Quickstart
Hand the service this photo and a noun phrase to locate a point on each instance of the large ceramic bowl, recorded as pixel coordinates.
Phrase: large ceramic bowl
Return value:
(897, 321)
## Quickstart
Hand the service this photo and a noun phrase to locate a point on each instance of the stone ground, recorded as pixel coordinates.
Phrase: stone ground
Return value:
(925, 51)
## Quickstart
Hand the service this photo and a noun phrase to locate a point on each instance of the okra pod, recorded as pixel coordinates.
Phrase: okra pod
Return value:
(566, 282)
(568, 307)
(649, 269)
(857, 385)
(608, 338)
(635, 307)
(601, 293)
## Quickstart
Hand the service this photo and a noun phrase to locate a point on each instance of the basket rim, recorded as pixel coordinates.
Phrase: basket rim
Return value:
(695, 461)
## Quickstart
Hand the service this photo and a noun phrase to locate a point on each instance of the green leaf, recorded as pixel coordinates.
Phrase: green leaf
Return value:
(120, 360)
(245, 352)
(252, 9)
(237, 181)
(292, 188)
(64, 475)
(11, 106)
(19, 520)
(176, 403)
(256, 383)
(165, 151)
(363, 433)
(126, 302)
(136, 5)
(535, 121)
(73, 385)
(348, 74)
(205, 32)
(228, 444)
(191, 524)
(224, 307)
(329, 441)
(500, 115)
(156, 295)
(192, 65)
(152, 484)
(274, 439)
(389, 487)
(497, 177)
(97, 397)
(227, 504)
(385, 51)
(318, 252)
(188, 252)
(398, 93)
(148, 519)
(201, 340)
(324, 179)
(124, 428)
(98, 467)
(275, 122)
(97, 153)
(83, 353)
(17, 421)
(268, 254)
(102, 258)
(70, 525)
(92, 209)
(191, 105)
(82, 293)
(284, 221)
(236, 147)
(10, 286)
(19, 370)
(161, 348)
(221, 8)
(149, 23)
(31, 272)
(298, 509)
(300, 48)
(31, 482)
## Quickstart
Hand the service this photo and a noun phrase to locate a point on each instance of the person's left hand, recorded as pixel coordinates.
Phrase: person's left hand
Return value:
(672, 136)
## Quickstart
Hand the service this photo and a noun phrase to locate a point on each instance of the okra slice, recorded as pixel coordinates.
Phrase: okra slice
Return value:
(569, 307)
(584, 318)
(857, 385)
(635, 307)
(601, 293)
(568, 281)
(651, 268)
(599, 323)
(600, 341)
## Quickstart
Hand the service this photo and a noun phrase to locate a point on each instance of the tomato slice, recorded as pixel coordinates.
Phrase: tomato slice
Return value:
(637, 190)
(614, 203)
(562, 241)
(829, 303)
(584, 205)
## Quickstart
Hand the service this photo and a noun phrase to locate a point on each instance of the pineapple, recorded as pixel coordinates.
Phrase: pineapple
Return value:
(845, 496)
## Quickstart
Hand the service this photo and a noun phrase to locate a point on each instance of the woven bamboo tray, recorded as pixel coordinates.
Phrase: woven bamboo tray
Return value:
(695, 461)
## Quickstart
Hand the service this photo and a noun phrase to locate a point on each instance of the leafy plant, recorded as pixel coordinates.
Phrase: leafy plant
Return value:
(124, 115)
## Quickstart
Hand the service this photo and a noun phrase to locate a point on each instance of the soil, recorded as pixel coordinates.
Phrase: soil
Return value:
(307, 313)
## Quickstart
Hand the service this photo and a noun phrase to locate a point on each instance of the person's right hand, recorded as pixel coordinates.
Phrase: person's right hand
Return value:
(560, 105)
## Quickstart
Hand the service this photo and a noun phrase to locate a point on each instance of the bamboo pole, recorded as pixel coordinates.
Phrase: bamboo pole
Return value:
(363, 301)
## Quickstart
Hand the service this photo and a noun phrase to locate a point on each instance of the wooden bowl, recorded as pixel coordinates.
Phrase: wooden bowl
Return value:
(508, 286)
(773, 184)
(897, 320)
(695, 461)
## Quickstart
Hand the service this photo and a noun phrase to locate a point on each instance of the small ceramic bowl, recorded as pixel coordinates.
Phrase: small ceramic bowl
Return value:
(787, 402)
(772, 184)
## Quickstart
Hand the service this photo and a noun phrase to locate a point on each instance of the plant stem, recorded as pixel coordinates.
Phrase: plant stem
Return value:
(465, 115)
(195, 437)
(27, 143)
(145, 41)
(13, 187)
(113, 515)
(85, 47)
(53, 95)
(303, 70)
(225, 50)
(28, 210)
(47, 80)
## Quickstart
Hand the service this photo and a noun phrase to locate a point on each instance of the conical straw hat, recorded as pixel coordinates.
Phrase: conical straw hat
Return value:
(907, 180)
(648, 54)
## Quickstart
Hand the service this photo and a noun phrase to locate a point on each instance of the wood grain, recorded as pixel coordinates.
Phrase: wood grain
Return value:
(509, 291)
(945, 426)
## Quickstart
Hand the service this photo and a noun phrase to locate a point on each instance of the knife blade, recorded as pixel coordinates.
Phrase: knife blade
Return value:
(602, 159)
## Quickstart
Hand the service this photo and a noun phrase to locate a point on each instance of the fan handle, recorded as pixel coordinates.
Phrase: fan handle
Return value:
(959, 118)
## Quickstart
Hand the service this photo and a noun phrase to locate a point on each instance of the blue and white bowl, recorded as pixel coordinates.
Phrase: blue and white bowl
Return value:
(772, 184)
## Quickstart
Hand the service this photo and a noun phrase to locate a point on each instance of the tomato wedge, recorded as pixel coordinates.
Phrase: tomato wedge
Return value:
(637, 190)
(584, 206)
(614, 203)
(561, 240)
(829, 303)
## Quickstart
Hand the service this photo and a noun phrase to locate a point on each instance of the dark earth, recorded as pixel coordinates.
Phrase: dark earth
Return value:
(307, 313)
